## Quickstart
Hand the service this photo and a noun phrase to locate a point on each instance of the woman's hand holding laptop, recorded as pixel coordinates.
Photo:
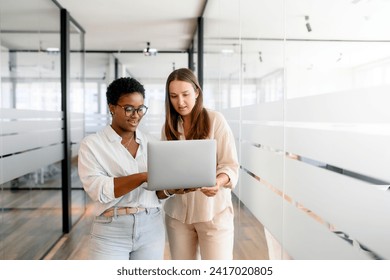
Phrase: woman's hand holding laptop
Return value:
(221, 181)
(210, 191)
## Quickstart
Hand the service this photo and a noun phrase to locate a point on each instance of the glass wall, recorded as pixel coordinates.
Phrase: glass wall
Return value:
(77, 111)
(337, 130)
(306, 95)
(32, 130)
(31, 136)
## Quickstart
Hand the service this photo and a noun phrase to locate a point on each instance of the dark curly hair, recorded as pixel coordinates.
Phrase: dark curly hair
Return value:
(123, 86)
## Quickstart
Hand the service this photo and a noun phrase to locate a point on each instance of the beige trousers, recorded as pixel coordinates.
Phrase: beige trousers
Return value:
(212, 240)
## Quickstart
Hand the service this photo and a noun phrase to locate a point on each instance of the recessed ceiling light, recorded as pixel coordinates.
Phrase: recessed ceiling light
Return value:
(52, 49)
(227, 51)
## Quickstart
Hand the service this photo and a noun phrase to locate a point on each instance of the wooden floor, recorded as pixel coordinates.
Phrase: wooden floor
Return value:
(250, 242)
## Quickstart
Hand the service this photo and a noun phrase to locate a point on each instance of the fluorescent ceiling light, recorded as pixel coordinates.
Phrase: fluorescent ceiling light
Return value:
(52, 49)
(227, 51)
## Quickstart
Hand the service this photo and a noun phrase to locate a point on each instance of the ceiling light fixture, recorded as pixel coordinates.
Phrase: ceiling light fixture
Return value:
(148, 51)
(227, 51)
(308, 27)
(53, 50)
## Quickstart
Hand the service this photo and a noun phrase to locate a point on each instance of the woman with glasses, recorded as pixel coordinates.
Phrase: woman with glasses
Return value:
(112, 166)
(199, 221)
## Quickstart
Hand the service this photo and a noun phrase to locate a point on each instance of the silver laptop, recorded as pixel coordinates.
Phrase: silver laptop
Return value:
(181, 164)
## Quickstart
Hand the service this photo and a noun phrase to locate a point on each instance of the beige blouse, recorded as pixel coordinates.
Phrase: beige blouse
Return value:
(196, 207)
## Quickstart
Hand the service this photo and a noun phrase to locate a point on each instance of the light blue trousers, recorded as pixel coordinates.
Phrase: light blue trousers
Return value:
(138, 236)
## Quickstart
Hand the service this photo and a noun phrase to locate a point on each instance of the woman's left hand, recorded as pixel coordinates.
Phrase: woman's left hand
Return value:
(222, 180)
(210, 191)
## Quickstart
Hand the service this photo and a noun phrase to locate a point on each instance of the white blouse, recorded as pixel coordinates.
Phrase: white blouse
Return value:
(196, 207)
(101, 158)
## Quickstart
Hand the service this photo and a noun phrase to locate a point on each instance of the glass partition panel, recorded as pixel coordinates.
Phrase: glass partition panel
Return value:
(222, 55)
(31, 131)
(243, 76)
(77, 120)
(306, 95)
(262, 118)
(337, 130)
(95, 102)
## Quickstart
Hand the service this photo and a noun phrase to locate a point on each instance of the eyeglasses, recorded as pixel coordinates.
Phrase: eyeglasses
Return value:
(130, 110)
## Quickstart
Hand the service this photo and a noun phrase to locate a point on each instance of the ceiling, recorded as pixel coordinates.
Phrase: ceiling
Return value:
(123, 27)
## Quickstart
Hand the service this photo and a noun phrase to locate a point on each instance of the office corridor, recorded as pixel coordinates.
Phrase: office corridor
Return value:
(303, 85)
